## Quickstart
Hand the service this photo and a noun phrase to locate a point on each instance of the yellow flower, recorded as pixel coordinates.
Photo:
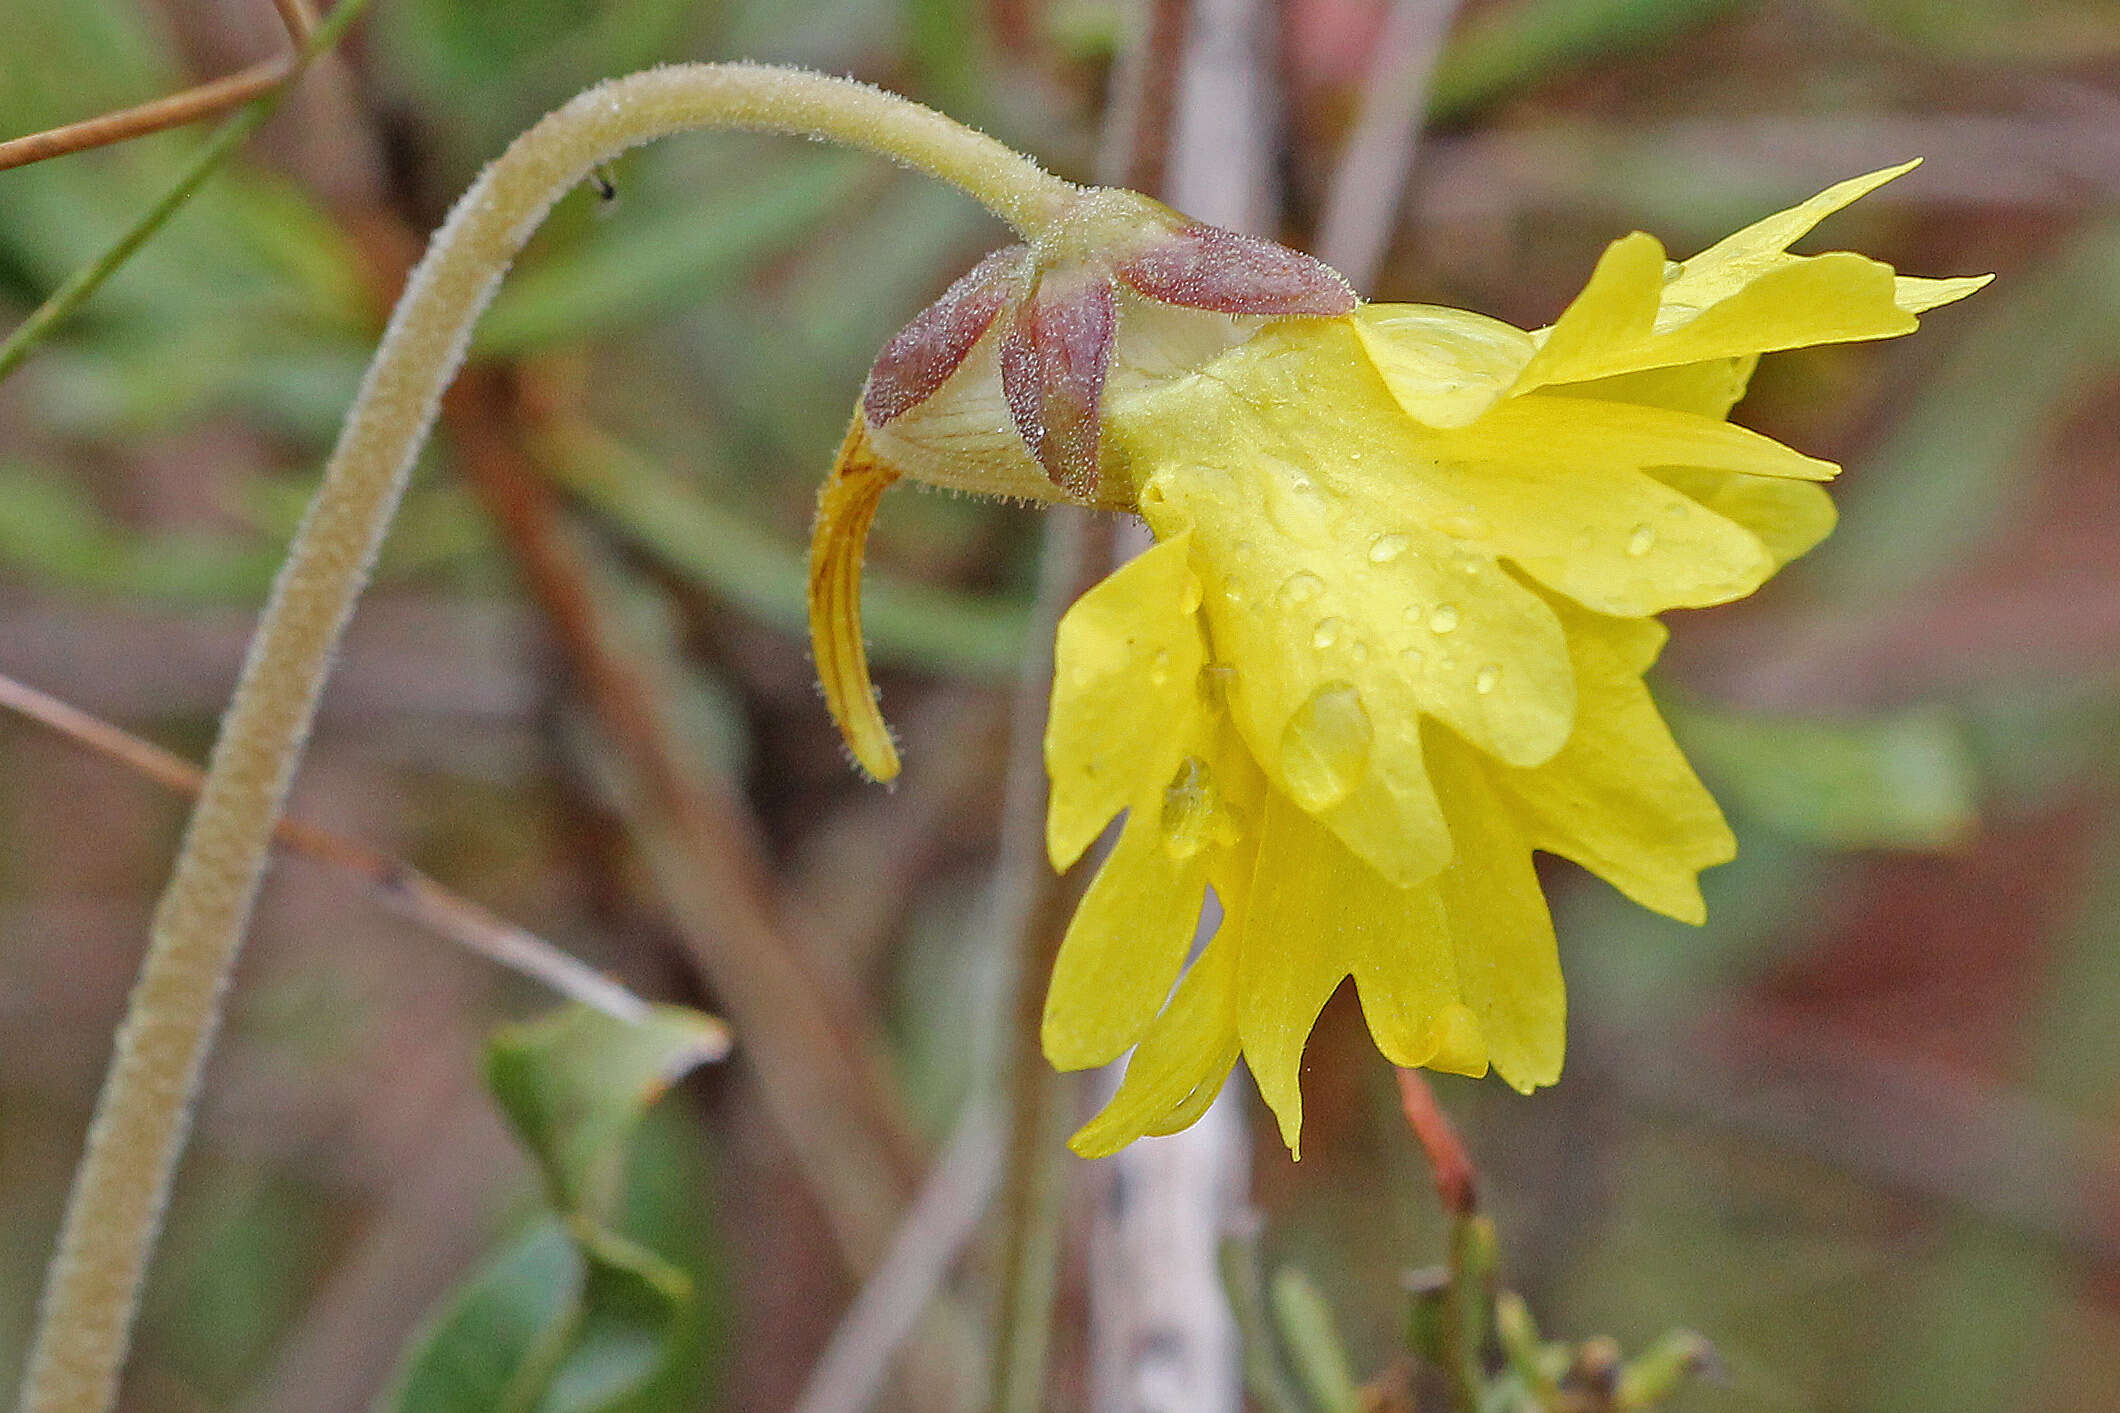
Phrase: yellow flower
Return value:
(1390, 642)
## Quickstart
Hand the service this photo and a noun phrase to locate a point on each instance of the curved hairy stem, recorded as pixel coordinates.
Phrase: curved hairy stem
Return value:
(143, 1115)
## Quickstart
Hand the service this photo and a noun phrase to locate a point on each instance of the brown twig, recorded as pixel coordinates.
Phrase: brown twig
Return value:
(400, 886)
(817, 1065)
(1456, 1180)
(299, 18)
(204, 101)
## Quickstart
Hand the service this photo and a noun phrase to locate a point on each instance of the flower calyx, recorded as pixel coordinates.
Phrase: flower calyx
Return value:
(999, 385)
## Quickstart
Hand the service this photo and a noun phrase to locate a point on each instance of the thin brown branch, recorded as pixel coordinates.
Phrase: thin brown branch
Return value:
(299, 18)
(401, 887)
(1456, 1180)
(205, 101)
(943, 1219)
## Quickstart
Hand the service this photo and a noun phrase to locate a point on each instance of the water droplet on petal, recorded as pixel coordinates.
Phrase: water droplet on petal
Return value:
(1487, 679)
(1444, 619)
(1159, 667)
(1413, 659)
(1387, 547)
(1300, 588)
(1325, 747)
(1188, 809)
(1326, 633)
(1641, 541)
(1468, 525)
(1415, 614)
(1358, 650)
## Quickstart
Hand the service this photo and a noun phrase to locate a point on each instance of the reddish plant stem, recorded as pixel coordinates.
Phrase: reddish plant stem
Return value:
(1456, 1180)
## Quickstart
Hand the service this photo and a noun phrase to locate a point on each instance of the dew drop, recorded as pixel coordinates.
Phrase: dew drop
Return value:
(1487, 679)
(1641, 541)
(1159, 667)
(1358, 650)
(1325, 746)
(1300, 588)
(1466, 526)
(1416, 615)
(1188, 809)
(1387, 547)
(1444, 619)
(1413, 659)
(1326, 633)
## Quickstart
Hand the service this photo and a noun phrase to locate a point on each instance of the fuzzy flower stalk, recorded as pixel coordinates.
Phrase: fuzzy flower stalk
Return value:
(1390, 640)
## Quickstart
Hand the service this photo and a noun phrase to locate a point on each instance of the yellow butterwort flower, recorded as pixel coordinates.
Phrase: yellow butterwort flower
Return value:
(1391, 639)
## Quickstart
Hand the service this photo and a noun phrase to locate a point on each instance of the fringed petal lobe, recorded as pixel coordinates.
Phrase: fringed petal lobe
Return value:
(1620, 799)
(1126, 673)
(1177, 1069)
(1126, 944)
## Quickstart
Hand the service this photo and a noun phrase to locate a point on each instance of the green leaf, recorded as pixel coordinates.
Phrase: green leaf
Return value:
(1313, 1340)
(1904, 781)
(576, 1316)
(575, 1084)
(489, 1351)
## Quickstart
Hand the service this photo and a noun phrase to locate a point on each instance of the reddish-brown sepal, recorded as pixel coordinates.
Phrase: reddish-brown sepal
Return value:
(1055, 354)
(1206, 267)
(921, 356)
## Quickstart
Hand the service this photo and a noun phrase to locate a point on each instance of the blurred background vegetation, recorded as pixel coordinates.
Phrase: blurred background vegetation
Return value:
(1859, 1130)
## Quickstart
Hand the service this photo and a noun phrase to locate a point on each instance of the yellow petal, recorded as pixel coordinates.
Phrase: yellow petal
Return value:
(1918, 296)
(1333, 556)
(1708, 389)
(1318, 914)
(1836, 298)
(1337, 655)
(1728, 265)
(1181, 1063)
(1444, 366)
(1126, 669)
(1508, 967)
(1615, 311)
(1128, 939)
(1583, 518)
(1789, 517)
(1620, 799)
(1744, 295)
(845, 507)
